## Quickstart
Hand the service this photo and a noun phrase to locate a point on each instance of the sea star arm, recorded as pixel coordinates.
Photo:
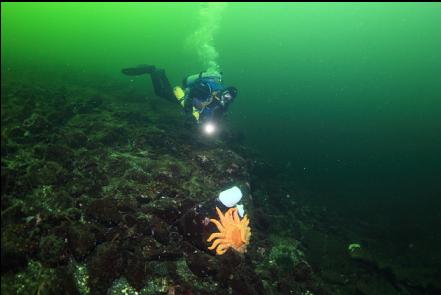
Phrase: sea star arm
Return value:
(214, 236)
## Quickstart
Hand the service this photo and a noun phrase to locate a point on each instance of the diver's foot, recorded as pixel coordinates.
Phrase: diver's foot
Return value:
(139, 70)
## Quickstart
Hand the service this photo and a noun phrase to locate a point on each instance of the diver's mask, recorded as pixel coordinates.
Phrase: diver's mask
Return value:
(225, 98)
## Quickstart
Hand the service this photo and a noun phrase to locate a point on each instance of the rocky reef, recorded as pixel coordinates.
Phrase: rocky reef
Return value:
(105, 191)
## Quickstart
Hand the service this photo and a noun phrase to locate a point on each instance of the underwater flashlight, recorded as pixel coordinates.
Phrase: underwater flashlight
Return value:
(209, 128)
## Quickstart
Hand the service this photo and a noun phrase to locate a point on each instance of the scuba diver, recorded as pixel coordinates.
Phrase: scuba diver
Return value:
(203, 95)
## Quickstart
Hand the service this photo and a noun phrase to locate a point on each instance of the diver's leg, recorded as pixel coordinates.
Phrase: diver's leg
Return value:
(157, 85)
(162, 85)
(139, 70)
(167, 90)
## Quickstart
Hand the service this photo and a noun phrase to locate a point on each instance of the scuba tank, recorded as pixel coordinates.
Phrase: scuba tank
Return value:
(211, 77)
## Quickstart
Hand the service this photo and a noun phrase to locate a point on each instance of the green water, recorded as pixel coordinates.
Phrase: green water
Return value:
(345, 97)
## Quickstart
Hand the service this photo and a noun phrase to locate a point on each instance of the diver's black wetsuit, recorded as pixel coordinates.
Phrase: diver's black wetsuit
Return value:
(160, 82)
(204, 96)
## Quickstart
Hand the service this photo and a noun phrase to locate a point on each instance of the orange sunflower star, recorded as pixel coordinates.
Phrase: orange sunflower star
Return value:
(233, 232)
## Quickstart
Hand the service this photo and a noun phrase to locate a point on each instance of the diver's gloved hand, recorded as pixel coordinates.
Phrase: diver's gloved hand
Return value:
(139, 70)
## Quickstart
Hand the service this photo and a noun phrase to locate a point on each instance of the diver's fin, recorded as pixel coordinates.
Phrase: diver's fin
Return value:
(139, 70)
